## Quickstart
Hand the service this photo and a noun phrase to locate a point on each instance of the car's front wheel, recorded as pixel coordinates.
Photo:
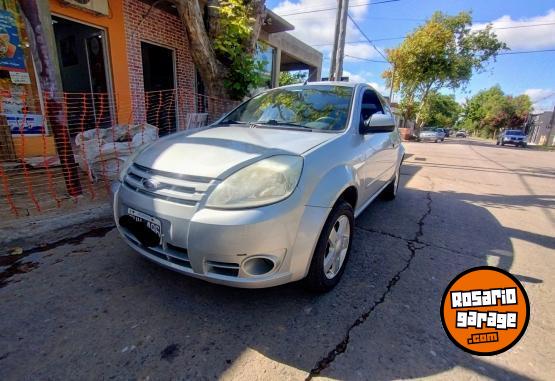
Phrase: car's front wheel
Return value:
(332, 250)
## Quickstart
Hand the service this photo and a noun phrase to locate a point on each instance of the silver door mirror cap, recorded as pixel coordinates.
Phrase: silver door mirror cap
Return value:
(378, 123)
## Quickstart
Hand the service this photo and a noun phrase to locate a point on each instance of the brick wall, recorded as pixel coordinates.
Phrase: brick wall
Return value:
(164, 29)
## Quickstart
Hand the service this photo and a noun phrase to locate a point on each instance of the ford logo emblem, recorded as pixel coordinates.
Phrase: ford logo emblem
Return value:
(150, 184)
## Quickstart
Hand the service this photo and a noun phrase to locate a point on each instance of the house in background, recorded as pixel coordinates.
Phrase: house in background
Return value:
(541, 129)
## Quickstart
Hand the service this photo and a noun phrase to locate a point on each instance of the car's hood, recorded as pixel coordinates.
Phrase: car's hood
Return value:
(213, 152)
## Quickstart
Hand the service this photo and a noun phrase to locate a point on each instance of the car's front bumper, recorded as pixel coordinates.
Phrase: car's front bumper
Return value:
(515, 141)
(214, 245)
(429, 137)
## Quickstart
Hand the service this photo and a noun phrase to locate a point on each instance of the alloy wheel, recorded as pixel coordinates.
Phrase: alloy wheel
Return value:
(338, 244)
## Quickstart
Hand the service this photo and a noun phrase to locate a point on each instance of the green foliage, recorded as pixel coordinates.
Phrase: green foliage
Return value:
(291, 78)
(231, 47)
(440, 110)
(442, 53)
(491, 110)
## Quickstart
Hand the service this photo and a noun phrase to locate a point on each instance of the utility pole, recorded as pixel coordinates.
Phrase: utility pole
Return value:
(341, 39)
(392, 85)
(338, 52)
(335, 41)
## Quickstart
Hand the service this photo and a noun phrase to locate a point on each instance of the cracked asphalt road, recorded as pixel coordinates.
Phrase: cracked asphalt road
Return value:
(90, 308)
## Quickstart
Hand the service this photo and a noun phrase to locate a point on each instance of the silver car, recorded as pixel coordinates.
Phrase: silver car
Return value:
(269, 193)
(432, 134)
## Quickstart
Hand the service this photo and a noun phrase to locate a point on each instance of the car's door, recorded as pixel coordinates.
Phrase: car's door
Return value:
(378, 147)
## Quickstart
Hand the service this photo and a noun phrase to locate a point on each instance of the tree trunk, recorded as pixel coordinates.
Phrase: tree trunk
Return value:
(37, 14)
(211, 70)
(202, 29)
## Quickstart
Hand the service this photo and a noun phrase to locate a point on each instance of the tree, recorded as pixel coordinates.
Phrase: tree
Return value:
(442, 53)
(291, 78)
(223, 38)
(491, 110)
(440, 110)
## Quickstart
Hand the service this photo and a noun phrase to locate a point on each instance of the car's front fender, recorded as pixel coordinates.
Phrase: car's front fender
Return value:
(331, 185)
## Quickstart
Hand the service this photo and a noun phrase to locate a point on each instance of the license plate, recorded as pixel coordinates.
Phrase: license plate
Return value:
(152, 223)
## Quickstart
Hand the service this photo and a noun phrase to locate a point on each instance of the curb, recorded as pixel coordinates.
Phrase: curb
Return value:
(41, 230)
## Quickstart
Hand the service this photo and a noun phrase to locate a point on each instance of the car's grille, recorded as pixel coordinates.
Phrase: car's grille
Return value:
(173, 187)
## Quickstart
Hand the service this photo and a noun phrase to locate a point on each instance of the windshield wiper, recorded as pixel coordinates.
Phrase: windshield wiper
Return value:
(273, 122)
(231, 122)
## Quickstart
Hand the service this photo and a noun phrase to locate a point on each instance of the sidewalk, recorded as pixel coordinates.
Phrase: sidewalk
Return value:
(28, 232)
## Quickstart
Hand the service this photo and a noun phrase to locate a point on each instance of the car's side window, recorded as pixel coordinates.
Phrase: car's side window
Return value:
(385, 104)
(370, 105)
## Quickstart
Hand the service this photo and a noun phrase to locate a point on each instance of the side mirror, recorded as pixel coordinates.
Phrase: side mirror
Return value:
(378, 123)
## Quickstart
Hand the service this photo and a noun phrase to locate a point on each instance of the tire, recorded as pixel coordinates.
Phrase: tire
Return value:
(497, 143)
(502, 143)
(318, 279)
(390, 192)
(435, 141)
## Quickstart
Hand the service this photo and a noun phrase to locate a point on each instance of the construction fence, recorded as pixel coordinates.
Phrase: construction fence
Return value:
(67, 148)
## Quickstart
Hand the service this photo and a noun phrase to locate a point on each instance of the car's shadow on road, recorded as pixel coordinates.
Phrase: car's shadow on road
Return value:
(155, 322)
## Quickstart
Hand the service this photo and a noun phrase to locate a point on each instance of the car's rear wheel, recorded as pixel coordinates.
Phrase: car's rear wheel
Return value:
(332, 250)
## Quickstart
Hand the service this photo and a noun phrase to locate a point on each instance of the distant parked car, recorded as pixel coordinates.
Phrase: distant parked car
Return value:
(442, 133)
(461, 134)
(431, 134)
(514, 137)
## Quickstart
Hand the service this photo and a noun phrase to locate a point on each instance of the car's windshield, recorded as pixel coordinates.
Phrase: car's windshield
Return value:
(514, 132)
(324, 107)
(429, 129)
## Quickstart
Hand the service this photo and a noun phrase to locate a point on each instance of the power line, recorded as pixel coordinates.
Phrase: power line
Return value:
(334, 8)
(365, 59)
(363, 41)
(527, 52)
(521, 26)
(365, 36)
(402, 38)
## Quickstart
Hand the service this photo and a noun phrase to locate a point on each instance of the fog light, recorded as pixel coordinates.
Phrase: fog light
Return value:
(258, 266)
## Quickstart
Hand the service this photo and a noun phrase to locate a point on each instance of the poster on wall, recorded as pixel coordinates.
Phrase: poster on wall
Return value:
(30, 124)
(11, 54)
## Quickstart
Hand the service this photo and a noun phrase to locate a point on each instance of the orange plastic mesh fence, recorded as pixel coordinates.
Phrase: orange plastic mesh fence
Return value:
(67, 148)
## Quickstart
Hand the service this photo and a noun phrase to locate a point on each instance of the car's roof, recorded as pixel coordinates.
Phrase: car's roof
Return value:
(329, 83)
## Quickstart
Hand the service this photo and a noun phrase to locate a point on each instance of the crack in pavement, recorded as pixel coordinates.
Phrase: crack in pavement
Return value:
(426, 244)
(412, 246)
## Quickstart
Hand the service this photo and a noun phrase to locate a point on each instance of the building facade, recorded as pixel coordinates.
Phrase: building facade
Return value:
(125, 61)
(118, 63)
(541, 129)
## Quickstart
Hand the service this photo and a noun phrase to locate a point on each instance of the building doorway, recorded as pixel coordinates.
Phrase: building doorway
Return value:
(159, 84)
(84, 70)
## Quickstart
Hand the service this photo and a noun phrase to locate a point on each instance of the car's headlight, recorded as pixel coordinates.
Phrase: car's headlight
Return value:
(129, 161)
(264, 182)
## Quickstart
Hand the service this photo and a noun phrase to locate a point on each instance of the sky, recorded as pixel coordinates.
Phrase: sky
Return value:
(387, 23)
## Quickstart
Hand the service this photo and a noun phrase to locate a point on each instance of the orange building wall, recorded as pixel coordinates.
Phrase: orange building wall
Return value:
(115, 30)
